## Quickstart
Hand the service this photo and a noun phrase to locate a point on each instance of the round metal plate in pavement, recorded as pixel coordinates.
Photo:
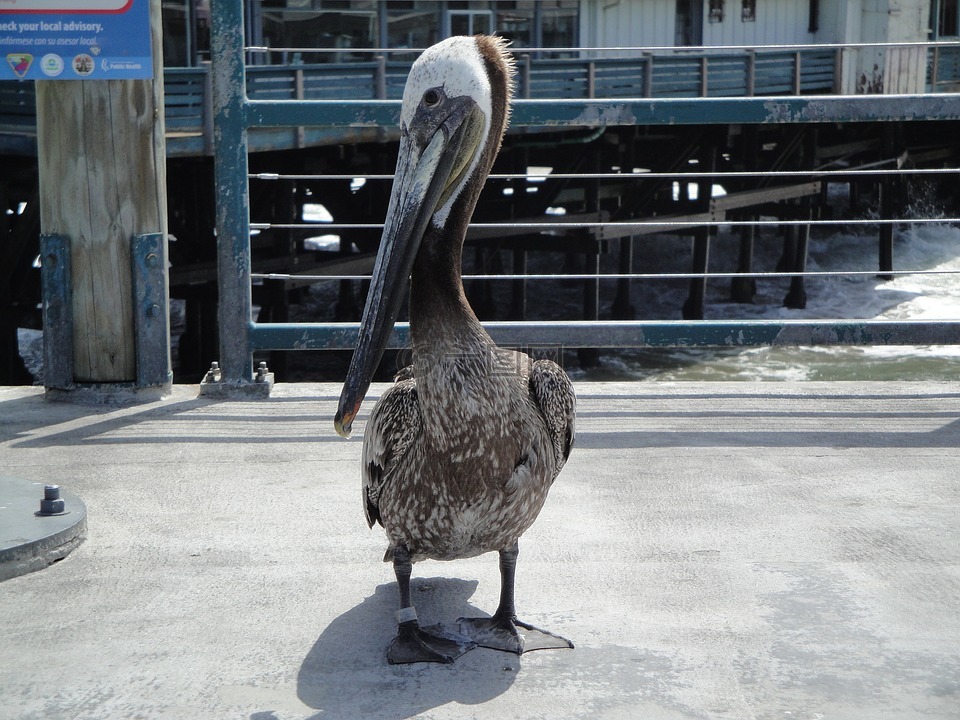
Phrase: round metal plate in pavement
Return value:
(39, 524)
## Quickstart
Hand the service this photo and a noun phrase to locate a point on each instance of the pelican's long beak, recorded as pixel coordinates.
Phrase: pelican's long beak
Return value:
(434, 155)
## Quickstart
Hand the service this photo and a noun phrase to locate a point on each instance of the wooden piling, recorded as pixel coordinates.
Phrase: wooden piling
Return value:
(888, 203)
(693, 308)
(590, 357)
(742, 290)
(102, 162)
(796, 297)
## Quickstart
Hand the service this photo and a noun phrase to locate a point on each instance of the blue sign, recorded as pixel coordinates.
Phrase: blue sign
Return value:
(75, 40)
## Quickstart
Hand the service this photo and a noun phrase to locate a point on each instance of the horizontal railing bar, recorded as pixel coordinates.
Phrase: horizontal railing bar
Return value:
(689, 174)
(586, 112)
(635, 334)
(636, 276)
(680, 50)
(666, 222)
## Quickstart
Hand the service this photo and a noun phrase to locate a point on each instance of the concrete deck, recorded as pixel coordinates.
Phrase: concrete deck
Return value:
(714, 550)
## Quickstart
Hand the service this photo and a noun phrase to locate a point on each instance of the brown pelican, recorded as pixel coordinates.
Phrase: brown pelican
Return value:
(458, 456)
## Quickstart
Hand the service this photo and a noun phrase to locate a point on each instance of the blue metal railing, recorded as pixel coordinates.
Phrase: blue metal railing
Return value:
(662, 73)
(235, 114)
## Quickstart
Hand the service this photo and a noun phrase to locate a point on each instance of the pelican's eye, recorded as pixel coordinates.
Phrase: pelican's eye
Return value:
(432, 98)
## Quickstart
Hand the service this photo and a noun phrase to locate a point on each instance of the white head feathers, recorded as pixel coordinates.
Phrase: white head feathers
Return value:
(456, 66)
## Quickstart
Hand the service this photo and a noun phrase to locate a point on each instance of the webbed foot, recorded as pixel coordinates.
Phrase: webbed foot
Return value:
(432, 644)
(510, 635)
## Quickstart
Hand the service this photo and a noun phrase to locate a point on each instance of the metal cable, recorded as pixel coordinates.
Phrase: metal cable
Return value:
(665, 223)
(639, 276)
(686, 49)
(812, 174)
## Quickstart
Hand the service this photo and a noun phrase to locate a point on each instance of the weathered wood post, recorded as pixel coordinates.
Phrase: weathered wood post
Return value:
(742, 290)
(889, 188)
(590, 357)
(693, 307)
(103, 215)
(796, 297)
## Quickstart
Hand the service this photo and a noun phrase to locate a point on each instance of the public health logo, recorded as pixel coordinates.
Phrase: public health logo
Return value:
(51, 65)
(20, 63)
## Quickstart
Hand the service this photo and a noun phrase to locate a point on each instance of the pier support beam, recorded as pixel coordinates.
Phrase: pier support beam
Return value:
(623, 308)
(889, 190)
(693, 307)
(797, 296)
(742, 290)
(590, 357)
(101, 157)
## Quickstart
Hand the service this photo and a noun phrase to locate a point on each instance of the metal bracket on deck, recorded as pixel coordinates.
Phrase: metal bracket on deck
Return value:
(55, 276)
(150, 317)
(151, 322)
(214, 386)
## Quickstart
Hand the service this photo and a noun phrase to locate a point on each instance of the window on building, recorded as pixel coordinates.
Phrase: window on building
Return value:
(560, 21)
(526, 23)
(689, 23)
(412, 24)
(813, 24)
(175, 42)
(716, 11)
(515, 21)
(339, 27)
(340, 30)
(471, 22)
(948, 18)
(186, 32)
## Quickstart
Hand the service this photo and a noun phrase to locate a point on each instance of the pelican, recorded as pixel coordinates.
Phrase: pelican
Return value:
(459, 453)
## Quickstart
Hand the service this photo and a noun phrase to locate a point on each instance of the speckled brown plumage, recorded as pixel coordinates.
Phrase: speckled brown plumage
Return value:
(458, 461)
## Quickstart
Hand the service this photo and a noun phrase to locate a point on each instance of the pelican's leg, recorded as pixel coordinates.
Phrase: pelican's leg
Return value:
(503, 631)
(413, 643)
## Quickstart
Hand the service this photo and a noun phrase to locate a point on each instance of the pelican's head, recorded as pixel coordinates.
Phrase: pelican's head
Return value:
(452, 120)
(449, 99)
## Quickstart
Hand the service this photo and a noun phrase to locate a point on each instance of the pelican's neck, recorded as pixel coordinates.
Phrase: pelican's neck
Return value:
(449, 343)
(441, 319)
(457, 366)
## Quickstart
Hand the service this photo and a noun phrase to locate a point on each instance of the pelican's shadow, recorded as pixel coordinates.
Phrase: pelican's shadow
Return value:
(346, 673)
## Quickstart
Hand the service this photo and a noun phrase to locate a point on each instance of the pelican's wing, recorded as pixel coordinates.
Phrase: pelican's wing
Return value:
(393, 426)
(552, 391)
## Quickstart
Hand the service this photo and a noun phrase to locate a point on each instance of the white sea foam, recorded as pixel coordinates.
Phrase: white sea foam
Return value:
(906, 297)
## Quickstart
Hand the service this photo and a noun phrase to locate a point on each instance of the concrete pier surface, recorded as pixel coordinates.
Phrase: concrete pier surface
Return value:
(779, 550)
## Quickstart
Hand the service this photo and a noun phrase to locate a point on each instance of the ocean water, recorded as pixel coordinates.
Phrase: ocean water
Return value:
(914, 296)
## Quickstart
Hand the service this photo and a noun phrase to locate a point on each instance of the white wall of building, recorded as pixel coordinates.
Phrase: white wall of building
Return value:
(777, 22)
(627, 23)
(890, 70)
(632, 23)
(651, 23)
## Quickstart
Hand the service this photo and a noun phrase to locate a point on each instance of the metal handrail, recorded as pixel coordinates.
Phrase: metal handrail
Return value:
(235, 114)
(188, 94)
(635, 48)
(634, 334)
(678, 175)
(630, 276)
